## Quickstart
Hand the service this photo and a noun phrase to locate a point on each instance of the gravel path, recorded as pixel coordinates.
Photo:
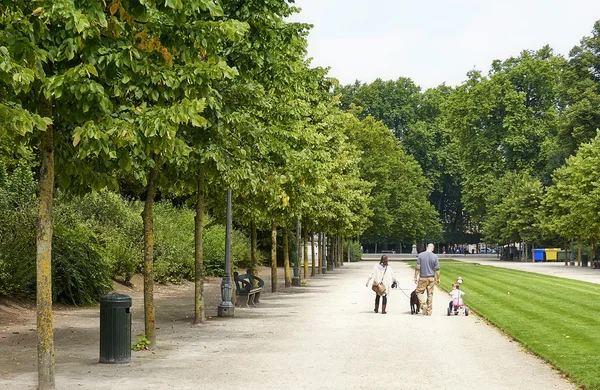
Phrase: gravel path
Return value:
(322, 336)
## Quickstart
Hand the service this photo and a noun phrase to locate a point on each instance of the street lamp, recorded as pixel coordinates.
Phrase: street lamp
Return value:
(226, 308)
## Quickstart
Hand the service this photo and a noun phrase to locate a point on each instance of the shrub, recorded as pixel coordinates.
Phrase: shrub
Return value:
(173, 243)
(118, 227)
(18, 208)
(80, 275)
(355, 251)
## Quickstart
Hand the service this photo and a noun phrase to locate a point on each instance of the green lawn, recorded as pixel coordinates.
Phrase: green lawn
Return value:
(555, 318)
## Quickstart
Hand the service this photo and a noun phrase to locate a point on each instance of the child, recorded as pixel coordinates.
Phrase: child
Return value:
(456, 295)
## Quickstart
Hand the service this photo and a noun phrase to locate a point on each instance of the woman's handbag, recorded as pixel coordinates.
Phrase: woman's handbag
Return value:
(379, 288)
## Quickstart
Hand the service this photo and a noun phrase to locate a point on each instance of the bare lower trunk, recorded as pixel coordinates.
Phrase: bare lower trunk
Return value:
(320, 249)
(147, 217)
(253, 248)
(199, 314)
(273, 255)
(45, 322)
(253, 251)
(286, 259)
(341, 251)
(305, 253)
(312, 249)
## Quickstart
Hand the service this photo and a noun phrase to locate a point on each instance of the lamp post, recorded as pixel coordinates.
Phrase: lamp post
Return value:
(226, 308)
(296, 278)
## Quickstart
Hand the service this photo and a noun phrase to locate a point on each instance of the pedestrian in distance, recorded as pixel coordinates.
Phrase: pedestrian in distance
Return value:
(427, 275)
(382, 273)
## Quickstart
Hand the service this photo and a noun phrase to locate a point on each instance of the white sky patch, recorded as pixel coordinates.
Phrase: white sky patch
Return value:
(436, 41)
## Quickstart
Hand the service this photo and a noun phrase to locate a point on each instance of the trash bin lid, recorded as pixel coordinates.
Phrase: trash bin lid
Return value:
(115, 300)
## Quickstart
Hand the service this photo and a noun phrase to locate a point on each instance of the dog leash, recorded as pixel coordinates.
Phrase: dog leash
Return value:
(401, 289)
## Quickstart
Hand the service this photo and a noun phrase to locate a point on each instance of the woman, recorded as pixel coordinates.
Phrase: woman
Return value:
(382, 272)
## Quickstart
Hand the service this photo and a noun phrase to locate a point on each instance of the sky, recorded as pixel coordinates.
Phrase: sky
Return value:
(436, 41)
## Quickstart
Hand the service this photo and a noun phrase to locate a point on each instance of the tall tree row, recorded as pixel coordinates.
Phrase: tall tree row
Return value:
(491, 146)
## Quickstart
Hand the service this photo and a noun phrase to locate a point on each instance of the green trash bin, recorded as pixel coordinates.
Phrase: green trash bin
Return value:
(584, 259)
(115, 329)
(561, 255)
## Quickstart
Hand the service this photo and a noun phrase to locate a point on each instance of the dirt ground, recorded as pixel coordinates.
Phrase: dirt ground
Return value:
(320, 336)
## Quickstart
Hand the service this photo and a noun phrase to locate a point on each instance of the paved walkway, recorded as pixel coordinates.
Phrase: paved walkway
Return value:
(322, 336)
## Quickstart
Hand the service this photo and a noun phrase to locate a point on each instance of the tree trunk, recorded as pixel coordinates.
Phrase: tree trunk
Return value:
(320, 251)
(305, 253)
(566, 253)
(253, 251)
(200, 316)
(341, 251)
(334, 251)
(579, 262)
(313, 257)
(147, 217)
(349, 242)
(45, 322)
(273, 255)
(286, 259)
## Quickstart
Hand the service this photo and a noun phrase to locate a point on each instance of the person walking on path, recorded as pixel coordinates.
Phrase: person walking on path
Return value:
(382, 273)
(427, 274)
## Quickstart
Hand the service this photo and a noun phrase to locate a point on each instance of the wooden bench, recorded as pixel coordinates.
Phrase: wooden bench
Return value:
(244, 287)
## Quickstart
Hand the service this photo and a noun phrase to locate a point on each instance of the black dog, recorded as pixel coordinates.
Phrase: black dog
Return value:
(415, 305)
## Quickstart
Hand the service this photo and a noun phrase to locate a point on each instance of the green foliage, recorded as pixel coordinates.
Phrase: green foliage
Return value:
(401, 210)
(98, 237)
(572, 203)
(142, 344)
(214, 250)
(513, 209)
(174, 243)
(502, 122)
(117, 226)
(355, 251)
(17, 232)
(80, 275)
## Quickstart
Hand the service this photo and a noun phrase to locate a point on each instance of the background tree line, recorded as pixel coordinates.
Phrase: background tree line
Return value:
(508, 155)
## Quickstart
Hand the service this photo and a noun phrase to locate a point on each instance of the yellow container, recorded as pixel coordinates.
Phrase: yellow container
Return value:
(552, 254)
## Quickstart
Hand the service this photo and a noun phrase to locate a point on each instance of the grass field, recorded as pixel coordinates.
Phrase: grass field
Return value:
(555, 318)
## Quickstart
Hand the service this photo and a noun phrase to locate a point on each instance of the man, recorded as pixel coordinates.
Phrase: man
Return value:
(427, 273)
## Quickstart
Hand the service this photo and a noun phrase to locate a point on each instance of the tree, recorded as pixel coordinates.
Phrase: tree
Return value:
(401, 211)
(158, 67)
(514, 210)
(571, 205)
(581, 94)
(39, 41)
(504, 122)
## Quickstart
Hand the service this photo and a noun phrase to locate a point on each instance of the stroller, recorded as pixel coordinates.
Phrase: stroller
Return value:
(456, 305)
